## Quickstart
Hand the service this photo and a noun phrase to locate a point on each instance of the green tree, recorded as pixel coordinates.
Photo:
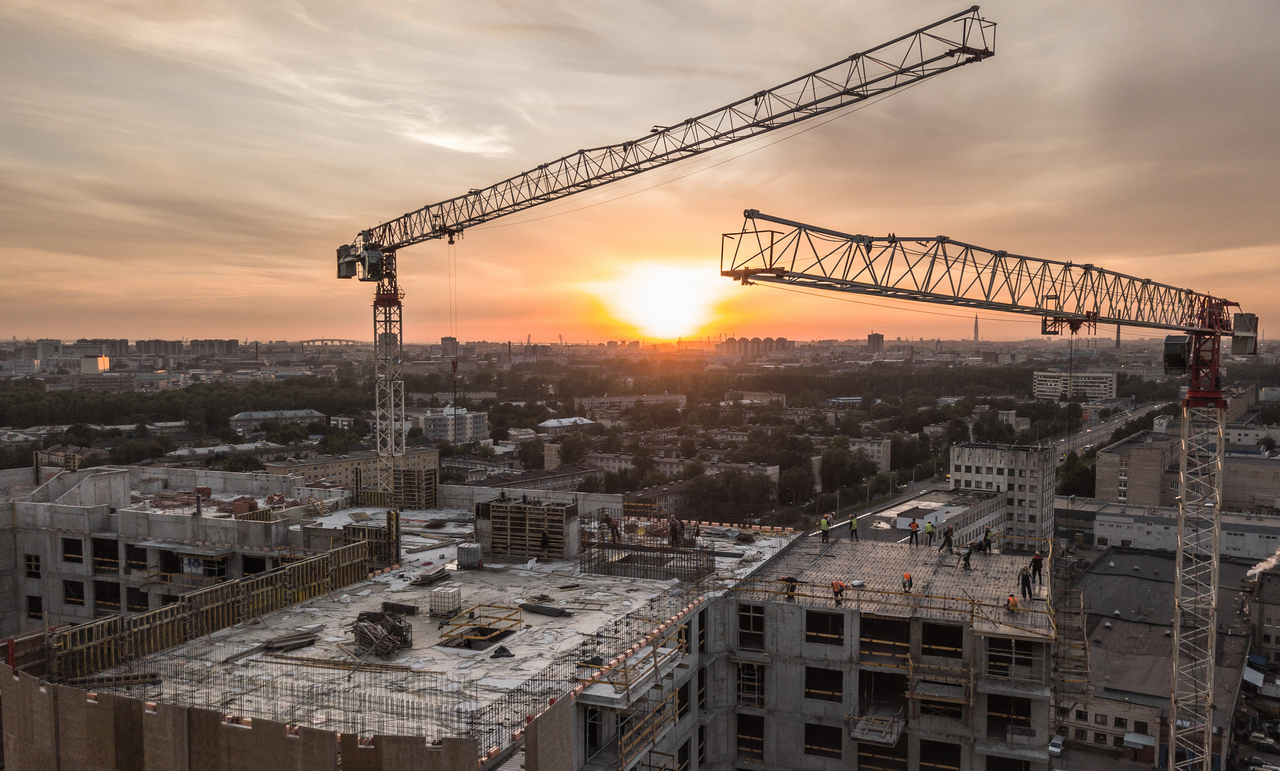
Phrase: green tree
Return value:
(643, 462)
(573, 448)
(1077, 477)
(531, 453)
(795, 485)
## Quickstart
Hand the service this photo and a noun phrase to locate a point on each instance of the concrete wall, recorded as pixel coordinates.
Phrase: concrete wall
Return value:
(220, 482)
(54, 728)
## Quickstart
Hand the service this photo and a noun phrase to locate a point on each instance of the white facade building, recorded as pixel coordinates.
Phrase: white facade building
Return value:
(1025, 475)
(1096, 386)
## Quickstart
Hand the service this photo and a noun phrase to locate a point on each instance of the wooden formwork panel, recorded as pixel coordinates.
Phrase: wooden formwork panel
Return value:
(261, 595)
(309, 578)
(88, 648)
(350, 563)
(217, 607)
(155, 631)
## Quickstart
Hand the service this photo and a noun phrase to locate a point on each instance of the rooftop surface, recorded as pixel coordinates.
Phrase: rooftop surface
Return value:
(1128, 596)
(1139, 586)
(428, 688)
(941, 589)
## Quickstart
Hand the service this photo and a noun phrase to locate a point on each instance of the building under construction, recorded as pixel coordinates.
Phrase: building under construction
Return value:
(335, 657)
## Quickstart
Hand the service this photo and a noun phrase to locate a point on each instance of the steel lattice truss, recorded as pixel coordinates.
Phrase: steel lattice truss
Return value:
(1194, 635)
(942, 46)
(940, 270)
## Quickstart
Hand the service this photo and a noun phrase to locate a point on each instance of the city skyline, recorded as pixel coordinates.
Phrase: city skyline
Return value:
(187, 172)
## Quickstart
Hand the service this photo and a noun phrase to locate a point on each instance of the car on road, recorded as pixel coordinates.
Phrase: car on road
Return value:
(1055, 745)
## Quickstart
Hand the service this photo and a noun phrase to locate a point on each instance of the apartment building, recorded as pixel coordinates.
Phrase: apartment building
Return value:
(453, 424)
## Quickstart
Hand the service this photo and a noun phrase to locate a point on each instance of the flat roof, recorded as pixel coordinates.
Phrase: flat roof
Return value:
(942, 588)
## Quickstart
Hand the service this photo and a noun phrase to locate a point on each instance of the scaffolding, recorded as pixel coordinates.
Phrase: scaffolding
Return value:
(1071, 656)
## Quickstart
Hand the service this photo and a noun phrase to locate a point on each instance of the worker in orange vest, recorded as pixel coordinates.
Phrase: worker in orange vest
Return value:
(915, 533)
(1012, 602)
(837, 589)
(906, 582)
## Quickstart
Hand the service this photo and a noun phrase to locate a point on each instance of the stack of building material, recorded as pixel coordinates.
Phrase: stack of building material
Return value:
(382, 633)
(469, 555)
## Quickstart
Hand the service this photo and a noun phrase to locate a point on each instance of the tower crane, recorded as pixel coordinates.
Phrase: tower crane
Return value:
(1066, 296)
(960, 39)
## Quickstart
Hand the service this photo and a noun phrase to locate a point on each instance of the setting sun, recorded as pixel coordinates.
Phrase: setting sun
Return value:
(663, 301)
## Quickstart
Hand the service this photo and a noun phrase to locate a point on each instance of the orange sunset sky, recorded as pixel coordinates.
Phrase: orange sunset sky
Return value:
(186, 169)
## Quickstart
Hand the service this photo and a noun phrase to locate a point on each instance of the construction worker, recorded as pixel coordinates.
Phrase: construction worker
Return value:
(947, 535)
(966, 554)
(675, 531)
(1012, 603)
(824, 525)
(614, 532)
(906, 582)
(1024, 580)
(853, 528)
(791, 582)
(1037, 565)
(837, 589)
(986, 540)
(914, 540)
(928, 533)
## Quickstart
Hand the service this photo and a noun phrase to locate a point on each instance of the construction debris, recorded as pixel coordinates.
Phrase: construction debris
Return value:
(429, 578)
(289, 642)
(382, 633)
(545, 610)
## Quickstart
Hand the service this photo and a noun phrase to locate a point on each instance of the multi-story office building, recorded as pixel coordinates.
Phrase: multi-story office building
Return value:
(1094, 386)
(1026, 476)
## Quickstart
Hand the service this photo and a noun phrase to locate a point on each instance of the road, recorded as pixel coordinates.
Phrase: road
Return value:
(1100, 432)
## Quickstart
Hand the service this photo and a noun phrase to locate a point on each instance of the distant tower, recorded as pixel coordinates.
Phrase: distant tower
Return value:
(975, 327)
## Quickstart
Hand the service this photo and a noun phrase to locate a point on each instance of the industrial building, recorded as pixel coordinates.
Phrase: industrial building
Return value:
(1027, 478)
